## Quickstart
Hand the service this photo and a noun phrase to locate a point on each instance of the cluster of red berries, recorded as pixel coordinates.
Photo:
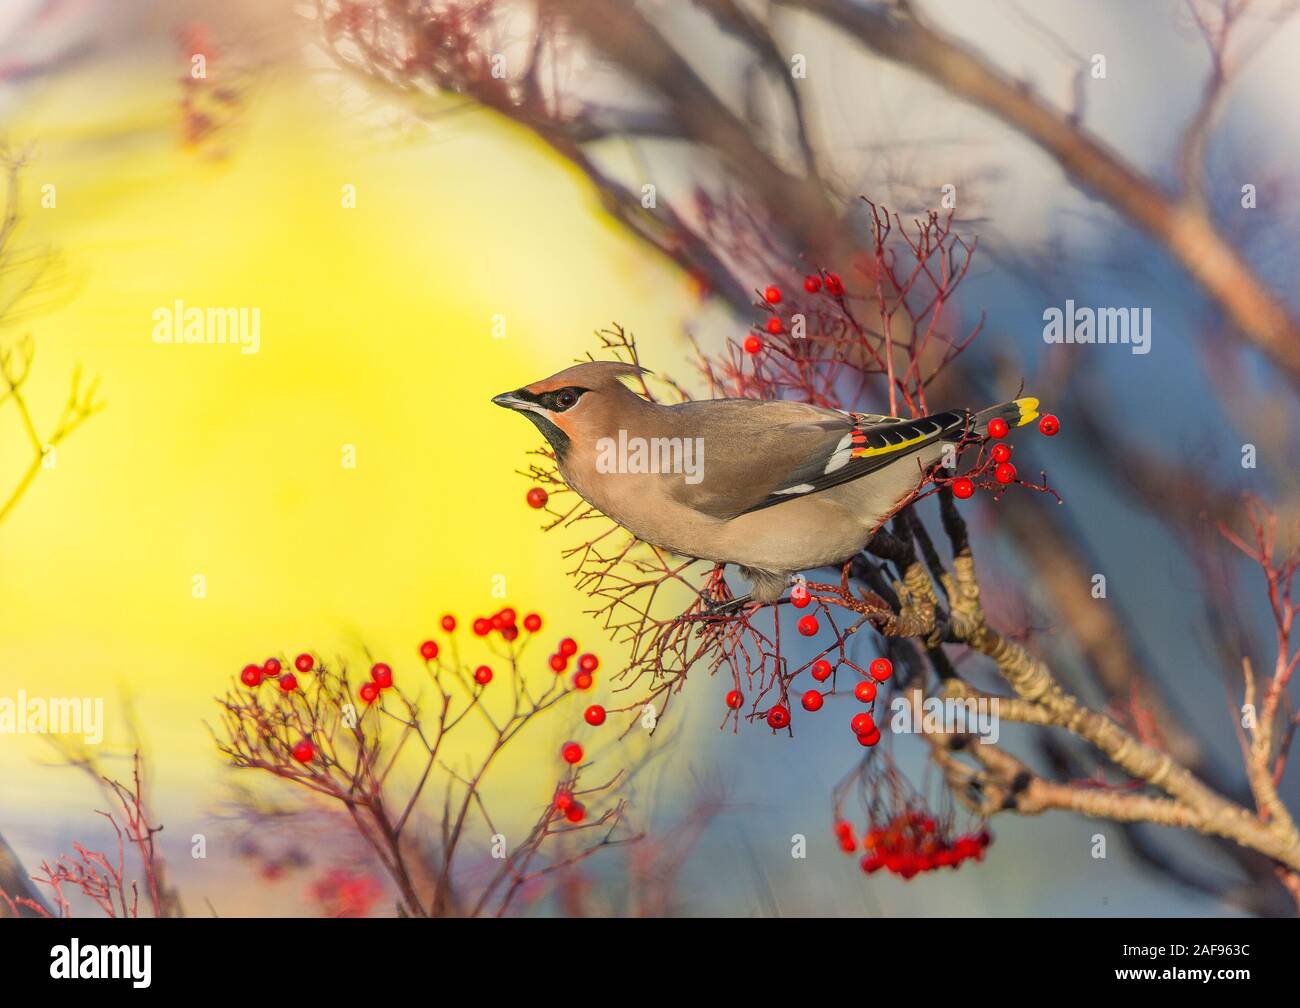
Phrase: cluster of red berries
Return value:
(1004, 472)
(912, 842)
(253, 676)
(504, 621)
(862, 724)
(772, 295)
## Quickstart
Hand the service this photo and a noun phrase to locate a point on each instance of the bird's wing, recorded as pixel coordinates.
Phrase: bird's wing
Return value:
(762, 453)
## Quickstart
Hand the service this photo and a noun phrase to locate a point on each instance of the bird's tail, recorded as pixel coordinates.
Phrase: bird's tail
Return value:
(1016, 414)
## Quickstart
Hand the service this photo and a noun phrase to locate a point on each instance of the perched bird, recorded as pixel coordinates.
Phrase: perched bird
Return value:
(774, 487)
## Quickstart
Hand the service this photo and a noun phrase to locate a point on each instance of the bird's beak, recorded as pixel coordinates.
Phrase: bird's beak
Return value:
(511, 401)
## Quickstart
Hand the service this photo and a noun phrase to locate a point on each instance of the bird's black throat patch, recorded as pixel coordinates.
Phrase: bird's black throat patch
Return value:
(557, 438)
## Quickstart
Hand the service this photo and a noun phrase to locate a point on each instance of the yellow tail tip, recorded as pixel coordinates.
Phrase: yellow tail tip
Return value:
(1028, 410)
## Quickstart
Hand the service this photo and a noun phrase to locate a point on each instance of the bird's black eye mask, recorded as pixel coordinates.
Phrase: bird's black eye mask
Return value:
(557, 401)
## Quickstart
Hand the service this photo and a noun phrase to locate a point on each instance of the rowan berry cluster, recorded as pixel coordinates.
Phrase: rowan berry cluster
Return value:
(910, 843)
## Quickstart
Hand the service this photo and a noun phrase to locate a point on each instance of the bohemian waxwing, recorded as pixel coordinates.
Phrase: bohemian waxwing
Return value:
(775, 487)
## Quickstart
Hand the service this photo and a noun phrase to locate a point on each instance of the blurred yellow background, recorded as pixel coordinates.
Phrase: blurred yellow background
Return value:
(376, 331)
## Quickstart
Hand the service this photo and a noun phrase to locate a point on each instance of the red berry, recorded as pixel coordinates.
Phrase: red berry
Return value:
(807, 625)
(998, 428)
(753, 344)
(571, 753)
(821, 670)
(532, 622)
(843, 828)
(382, 675)
(498, 622)
(589, 663)
(871, 863)
(848, 845)
(271, 667)
(304, 662)
(510, 632)
(928, 825)
(1001, 452)
(865, 691)
(862, 724)
(881, 669)
(568, 647)
(449, 623)
(482, 675)
(537, 497)
(304, 751)
(575, 813)
(1005, 473)
(834, 284)
(429, 650)
(812, 700)
(558, 663)
(983, 838)
(735, 698)
(507, 617)
(799, 597)
(772, 295)
(774, 326)
(582, 681)
(812, 284)
(288, 682)
(870, 739)
(595, 715)
(251, 676)
(778, 716)
(563, 799)
(368, 692)
(1048, 425)
(962, 487)
(482, 627)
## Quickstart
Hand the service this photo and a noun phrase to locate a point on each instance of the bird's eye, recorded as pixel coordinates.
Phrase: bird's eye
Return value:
(566, 398)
